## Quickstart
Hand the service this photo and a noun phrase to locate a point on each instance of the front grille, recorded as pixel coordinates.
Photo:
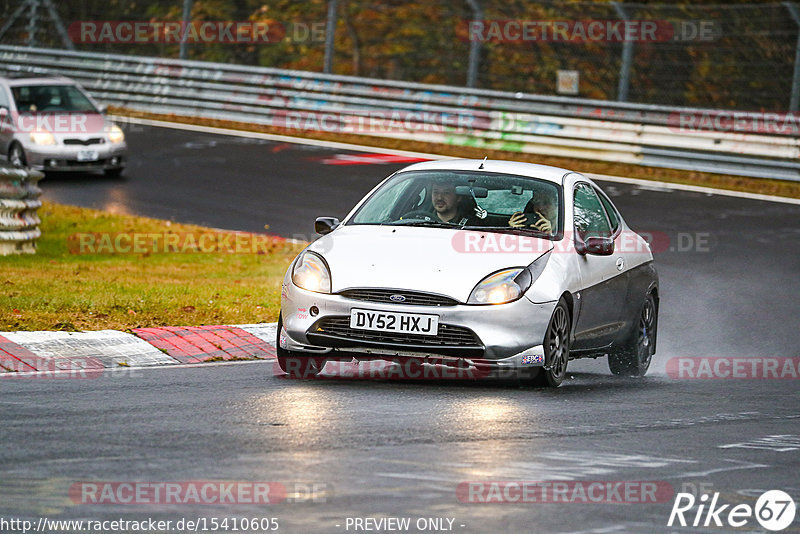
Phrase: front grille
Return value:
(448, 336)
(85, 142)
(383, 296)
(73, 163)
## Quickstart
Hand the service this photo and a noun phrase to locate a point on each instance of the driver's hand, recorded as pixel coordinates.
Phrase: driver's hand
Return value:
(543, 225)
(517, 220)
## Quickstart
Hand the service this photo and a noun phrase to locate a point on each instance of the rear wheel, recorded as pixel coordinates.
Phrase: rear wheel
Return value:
(16, 156)
(293, 363)
(634, 356)
(556, 348)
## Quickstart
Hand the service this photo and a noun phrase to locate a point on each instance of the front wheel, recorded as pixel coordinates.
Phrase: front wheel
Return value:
(292, 363)
(634, 356)
(16, 156)
(556, 348)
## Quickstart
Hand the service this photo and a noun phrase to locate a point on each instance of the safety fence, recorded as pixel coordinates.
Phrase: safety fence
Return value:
(741, 143)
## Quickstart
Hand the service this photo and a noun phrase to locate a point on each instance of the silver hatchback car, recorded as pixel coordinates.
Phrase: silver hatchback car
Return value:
(480, 265)
(52, 124)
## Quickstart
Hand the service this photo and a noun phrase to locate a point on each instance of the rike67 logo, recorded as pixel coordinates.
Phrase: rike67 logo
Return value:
(774, 510)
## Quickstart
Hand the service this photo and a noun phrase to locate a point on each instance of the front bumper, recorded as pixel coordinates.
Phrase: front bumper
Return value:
(61, 157)
(505, 335)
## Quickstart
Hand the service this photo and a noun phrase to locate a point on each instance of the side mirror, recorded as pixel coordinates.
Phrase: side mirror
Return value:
(595, 245)
(325, 225)
(102, 108)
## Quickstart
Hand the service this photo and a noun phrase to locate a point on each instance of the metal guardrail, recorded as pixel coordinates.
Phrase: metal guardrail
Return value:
(19, 200)
(649, 135)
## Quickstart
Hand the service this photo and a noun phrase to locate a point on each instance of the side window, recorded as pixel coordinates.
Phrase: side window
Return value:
(610, 211)
(4, 101)
(590, 217)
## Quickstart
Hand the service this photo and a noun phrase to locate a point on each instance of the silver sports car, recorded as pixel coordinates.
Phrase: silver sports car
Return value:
(484, 265)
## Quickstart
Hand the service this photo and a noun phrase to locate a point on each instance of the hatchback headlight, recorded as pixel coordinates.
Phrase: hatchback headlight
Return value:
(115, 135)
(42, 137)
(503, 286)
(311, 273)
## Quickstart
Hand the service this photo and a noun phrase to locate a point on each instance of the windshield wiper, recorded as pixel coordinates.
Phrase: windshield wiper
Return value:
(419, 222)
(510, 230)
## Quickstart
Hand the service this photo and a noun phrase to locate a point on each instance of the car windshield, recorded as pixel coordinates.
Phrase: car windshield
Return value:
(50, 98)
(465, 199)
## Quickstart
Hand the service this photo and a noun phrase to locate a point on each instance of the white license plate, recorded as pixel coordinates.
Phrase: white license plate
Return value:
(381, 321)
(88, 155)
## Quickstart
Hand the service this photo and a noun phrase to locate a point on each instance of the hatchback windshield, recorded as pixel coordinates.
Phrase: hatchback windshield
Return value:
(465, 199)
(35, 98)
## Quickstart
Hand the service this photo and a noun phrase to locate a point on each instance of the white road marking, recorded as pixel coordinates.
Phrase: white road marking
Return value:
(653, 185)
(266, 332)
(776, 443)
(365, 148)
(107, 346)
(276, 137)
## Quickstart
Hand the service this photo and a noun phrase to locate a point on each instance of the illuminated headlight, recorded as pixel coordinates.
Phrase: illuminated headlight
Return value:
(41, 137)
(311, 273)
(503, 286)
(115, 135)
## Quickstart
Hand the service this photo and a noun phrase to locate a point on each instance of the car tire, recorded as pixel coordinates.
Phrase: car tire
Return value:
(16, 156)
(636, 352)
(113, 173)
(556, 348)
(294, 364)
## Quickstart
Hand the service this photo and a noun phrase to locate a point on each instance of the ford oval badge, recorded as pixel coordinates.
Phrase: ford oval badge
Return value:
(397, 298)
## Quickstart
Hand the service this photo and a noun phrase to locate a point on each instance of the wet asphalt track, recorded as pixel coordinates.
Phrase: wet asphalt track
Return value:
(400, 449)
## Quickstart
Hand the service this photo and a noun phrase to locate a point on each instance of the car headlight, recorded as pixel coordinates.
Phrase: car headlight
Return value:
(115, 135)
(42, 137)
(503, 286)
(311, 273)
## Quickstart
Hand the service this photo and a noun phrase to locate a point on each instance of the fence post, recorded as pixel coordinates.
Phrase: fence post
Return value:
(794, 100)
(330, 32)
(187, 19)
(474, 45)
(627, 58)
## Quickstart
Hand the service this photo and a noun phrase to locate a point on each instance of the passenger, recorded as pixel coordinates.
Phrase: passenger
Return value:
(543, 210)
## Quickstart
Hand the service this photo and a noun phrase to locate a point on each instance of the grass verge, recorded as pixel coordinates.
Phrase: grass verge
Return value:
(60, 288)
(762, 186)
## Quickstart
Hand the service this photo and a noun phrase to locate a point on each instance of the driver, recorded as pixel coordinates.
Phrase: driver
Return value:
(544, 210)
(446, 202)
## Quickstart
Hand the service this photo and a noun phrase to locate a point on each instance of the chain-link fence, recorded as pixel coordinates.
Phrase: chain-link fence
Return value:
(734, 56)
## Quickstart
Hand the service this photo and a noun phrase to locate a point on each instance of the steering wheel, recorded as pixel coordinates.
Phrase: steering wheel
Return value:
(418, 214)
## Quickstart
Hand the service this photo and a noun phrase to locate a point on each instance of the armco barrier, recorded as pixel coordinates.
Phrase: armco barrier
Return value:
(639, 134)
(19, 200)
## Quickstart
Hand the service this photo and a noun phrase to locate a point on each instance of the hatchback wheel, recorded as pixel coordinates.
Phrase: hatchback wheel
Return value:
(634, 356)
(16, 156)
(556, 349)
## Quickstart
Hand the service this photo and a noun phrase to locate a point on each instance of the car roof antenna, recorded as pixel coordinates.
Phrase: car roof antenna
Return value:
(482, 162)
